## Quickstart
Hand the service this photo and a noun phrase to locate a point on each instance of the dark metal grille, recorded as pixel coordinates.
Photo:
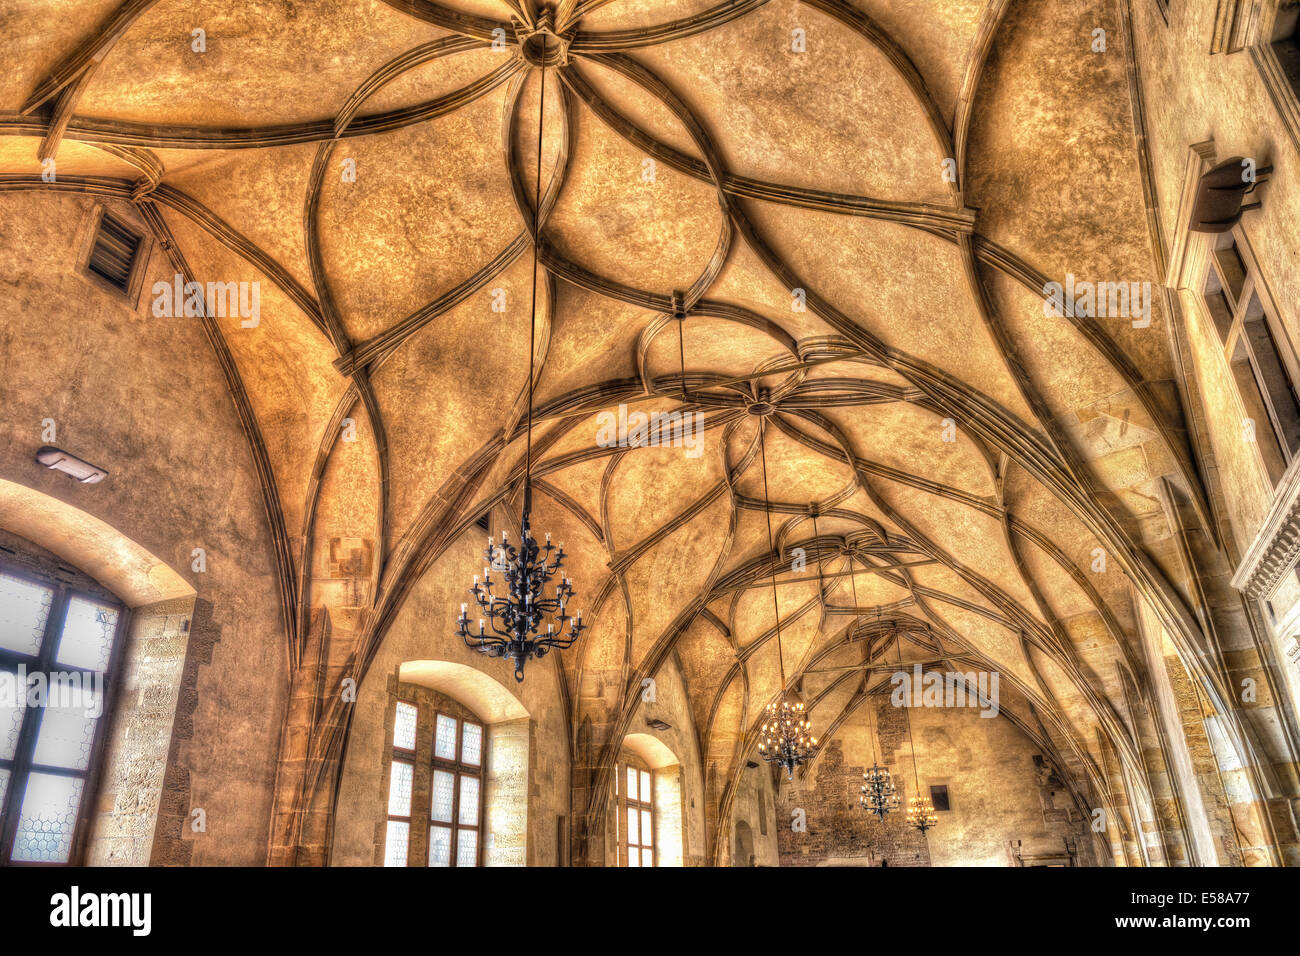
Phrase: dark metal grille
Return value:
(114, 252)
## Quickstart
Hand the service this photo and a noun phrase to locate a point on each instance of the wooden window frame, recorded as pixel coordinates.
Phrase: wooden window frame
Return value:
(407, 756)
(1233, 336)
(420, 823)
(22, 765)
(458, 769)
(622, 804)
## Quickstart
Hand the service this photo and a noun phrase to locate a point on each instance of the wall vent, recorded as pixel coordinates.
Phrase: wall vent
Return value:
(113, 255)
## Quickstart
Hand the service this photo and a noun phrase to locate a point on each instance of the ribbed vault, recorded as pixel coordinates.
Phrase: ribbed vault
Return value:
(949, 461)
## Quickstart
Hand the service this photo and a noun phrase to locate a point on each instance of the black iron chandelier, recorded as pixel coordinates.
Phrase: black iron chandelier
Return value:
(511, 622)
(785, 735)
(920, 814)
(879, 794)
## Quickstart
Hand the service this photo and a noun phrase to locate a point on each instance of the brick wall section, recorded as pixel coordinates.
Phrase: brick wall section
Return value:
(1006, 799)
(839, 830)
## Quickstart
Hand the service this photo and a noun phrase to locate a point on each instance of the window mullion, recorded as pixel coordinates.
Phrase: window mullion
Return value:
(26, 750)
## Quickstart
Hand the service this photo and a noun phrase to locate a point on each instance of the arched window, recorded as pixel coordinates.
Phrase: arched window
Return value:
(435, 783)
(634, 796)
(59, 644)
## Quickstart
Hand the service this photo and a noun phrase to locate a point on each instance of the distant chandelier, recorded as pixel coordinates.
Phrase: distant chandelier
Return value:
(514, 619)
(785, 739)
(879, 795)
(920, 813)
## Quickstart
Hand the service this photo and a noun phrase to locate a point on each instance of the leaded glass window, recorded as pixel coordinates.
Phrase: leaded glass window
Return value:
(634, 806)
(56, 653)
(445, 808)
(457, 792)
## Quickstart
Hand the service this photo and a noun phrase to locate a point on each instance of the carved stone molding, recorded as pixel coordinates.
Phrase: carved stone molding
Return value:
(1187, 251)
(1276, 548)
(1229, 19)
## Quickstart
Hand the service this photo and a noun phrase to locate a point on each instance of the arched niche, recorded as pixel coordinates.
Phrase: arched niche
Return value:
(43, 532)
(481, 693)
(459, 691)
(742, 848)
(505, 778)
(646, 752)
(656, 754)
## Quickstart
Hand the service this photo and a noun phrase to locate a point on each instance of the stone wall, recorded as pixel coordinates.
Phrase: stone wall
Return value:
(144, 398)
(754, 820)
(1001, 797)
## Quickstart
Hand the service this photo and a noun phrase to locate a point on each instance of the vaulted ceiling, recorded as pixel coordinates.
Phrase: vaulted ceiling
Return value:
(951, 461)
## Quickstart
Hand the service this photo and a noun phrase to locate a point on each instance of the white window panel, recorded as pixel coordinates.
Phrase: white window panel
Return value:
(24, 609)
(396, 842)
(67, 734)
(87, 637)
(48, 817)
(467, 848)
(469, 787)
(444, 741)
(404, 725)
(471, 745)
(399, 789)
(440, 846)
(444, 784)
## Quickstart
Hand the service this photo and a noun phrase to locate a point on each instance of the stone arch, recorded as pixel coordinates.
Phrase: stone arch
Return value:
(125, 567)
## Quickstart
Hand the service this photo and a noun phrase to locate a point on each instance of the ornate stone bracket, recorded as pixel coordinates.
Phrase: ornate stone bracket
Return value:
(1276, 548)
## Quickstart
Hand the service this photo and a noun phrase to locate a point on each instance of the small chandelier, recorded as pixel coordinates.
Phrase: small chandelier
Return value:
(786, 740)
(514, 618)
(879, 795)
(920, 813)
